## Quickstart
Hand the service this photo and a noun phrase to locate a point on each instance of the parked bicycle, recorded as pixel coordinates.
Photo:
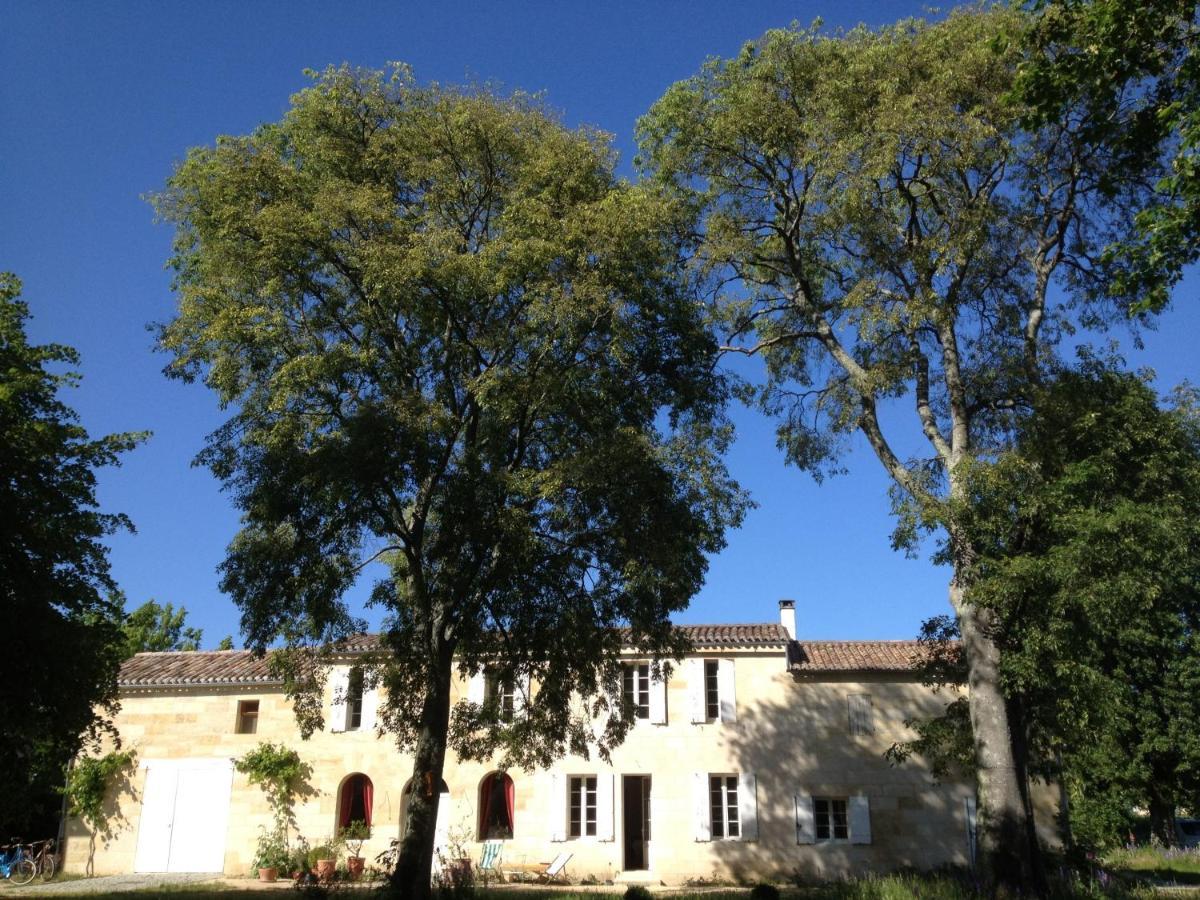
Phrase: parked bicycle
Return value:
(16, 864)
(43, 856)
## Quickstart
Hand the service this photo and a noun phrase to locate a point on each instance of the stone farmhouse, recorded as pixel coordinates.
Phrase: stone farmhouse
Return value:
(762, 756)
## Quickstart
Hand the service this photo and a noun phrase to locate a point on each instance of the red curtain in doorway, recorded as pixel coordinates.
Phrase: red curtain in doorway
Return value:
(358, 799)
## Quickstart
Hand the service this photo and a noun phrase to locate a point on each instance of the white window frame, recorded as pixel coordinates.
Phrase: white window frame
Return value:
(354, 699)
(721, 826)
(504, 691)
(711, 673)
(587, 789)
(828, 818)
(636, 687)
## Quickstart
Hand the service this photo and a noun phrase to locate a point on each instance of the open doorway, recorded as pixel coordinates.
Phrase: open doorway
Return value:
(635, 806)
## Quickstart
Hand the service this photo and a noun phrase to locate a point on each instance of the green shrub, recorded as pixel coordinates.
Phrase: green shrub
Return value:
(764, 891)
(636, 892)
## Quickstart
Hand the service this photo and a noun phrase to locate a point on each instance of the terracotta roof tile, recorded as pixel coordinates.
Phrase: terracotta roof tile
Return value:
(195, 667)
(199, 667)
(852, 656)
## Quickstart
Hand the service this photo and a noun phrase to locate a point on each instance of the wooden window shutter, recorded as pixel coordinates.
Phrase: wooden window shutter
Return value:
(695, 682)
(806, 830)
(558, 807)
(658, 700)
(725, 690)
(859, 813)
(339, 681)
(604, 806)
(700, 809)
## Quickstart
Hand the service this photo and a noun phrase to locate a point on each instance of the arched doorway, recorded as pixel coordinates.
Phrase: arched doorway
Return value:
(356, 800)
(441, 832)
(497, 801)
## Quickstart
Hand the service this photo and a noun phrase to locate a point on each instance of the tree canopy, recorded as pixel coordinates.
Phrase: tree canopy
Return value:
(879, 224)
(156, 627)
(54, 575)
(454, 343)
(1128, 71)
(1087, 535)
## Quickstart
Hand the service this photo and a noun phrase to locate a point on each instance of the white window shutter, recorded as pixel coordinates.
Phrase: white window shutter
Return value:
(806, 831)
(370, 707)
(339, 681)
(658, 700)
(725, 691)
(859, 813)
(558, 807)
(701, 811)
(696, 691)
(748, 805)
(477, 688)
(604, 806)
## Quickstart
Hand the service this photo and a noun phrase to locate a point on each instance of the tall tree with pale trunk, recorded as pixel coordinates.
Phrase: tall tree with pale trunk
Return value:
(876, 225)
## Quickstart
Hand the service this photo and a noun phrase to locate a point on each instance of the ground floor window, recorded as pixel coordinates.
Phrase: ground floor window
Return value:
(582, 819)
(829, 819)
(356, 801)
(496, 807)
(723, 806)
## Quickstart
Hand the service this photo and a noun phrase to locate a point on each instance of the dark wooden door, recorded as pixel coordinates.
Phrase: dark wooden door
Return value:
(635, 806)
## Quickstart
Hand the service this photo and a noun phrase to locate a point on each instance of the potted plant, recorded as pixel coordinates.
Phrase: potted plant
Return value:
(323, 859)
(272, 855)
(353, 836)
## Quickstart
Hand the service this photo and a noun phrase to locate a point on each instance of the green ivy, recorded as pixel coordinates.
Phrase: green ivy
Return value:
(279, 772)
(88, 782)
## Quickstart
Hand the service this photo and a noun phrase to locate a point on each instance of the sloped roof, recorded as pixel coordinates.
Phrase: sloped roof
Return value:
(235, 667)
(190, 667)
(811, 657)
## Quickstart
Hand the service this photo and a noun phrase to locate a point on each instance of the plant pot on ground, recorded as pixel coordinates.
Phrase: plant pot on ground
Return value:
(353, 836)
(271, 854)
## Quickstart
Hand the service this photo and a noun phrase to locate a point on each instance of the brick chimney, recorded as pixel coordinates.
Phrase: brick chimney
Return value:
(787, 617)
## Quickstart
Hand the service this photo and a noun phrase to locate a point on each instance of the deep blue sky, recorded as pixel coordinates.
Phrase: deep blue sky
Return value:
(98, 101)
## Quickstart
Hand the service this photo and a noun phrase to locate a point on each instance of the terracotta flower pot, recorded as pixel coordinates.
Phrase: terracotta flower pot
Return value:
(326, 869)
(270, 873)
(355, 866)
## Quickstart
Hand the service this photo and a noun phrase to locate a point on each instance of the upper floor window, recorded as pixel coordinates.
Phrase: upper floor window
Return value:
(501, 690)
(635, 689)
(712, 690)
(247, 717)
(581, 819)
(354, 700)
(497, 801)
(723, 806)
(861, 713)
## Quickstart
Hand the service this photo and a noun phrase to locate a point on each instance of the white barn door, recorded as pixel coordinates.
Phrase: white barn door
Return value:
(185, 816)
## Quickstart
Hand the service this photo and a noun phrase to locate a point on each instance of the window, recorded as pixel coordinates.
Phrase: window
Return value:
(496, 806)
(354, 700)
(635, 689)
(356, 801)
(723, 806)
(247, 717)
(582, 819)
(829, 819)
(862, 716)
(712, 690)
(501, 690)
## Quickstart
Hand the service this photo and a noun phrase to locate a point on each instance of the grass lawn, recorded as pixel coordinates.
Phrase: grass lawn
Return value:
(1168, 866)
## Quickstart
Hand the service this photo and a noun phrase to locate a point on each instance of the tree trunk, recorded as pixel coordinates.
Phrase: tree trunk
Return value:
(1162, 821)
(1020, 731)
(1005, 854)
(411, 878)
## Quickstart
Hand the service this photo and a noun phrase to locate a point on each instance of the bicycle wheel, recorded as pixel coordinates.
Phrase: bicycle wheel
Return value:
(22, 871)
(47, 865)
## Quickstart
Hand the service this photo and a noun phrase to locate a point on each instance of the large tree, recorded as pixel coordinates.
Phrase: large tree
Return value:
(880, 228)
(1087, 534)
(454, 343)
(62, 646)
(1129, 70)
